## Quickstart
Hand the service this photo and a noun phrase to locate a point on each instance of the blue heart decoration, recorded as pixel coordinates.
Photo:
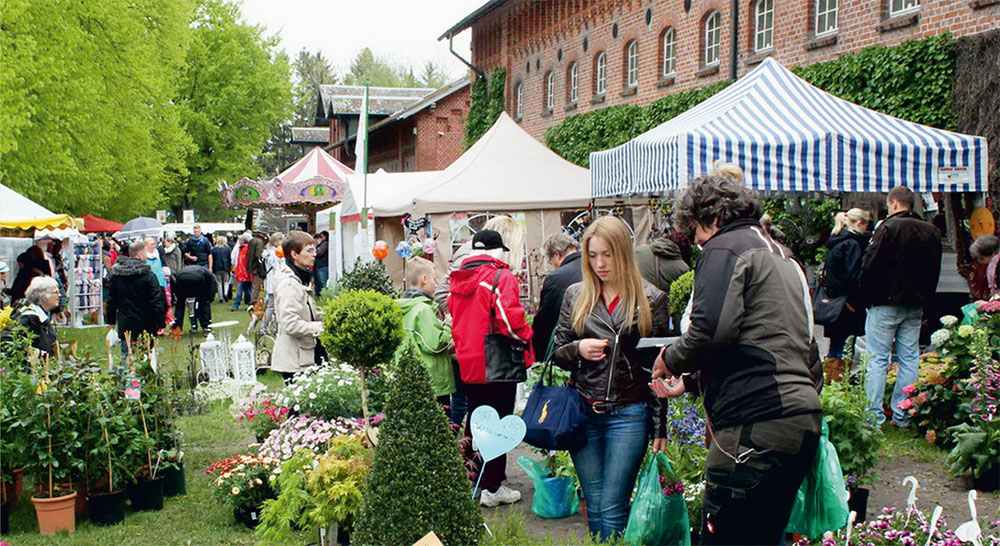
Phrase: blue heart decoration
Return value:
(495, 436)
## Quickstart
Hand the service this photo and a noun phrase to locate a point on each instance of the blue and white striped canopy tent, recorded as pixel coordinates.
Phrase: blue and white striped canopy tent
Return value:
(788, 135)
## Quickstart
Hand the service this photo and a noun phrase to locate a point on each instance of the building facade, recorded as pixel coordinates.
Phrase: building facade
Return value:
(566, 57)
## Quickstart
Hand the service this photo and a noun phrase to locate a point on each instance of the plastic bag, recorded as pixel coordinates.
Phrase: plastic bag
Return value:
(821, 502)
(554, 497)
(970, 314)
(655, 518)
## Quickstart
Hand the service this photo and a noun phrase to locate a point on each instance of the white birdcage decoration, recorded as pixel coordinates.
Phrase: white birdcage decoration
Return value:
(244, 359)
(213, 359)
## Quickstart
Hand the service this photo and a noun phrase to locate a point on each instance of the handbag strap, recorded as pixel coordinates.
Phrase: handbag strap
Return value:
(493, 290)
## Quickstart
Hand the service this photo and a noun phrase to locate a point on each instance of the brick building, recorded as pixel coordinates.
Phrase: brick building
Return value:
(565, 57)
(409, 129)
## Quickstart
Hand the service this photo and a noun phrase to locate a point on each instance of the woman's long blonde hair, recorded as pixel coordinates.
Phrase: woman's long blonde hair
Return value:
(512, 233)
(850, 220)
(632, 297)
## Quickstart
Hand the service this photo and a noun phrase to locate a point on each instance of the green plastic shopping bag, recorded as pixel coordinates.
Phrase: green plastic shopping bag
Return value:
(554, 497)
(821, 502)
(970, 314)
(657, 519)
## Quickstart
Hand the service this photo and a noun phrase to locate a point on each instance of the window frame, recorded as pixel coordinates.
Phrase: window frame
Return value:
(550, 91)
(759, 30)
(601, 73)
(835, 11)
(707, 32)
(574, 82)
(903, 11)
(673, 52)
(632, 64)
(519, 100)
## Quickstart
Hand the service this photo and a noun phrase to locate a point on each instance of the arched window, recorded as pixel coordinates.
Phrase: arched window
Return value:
(632, 64)
(573, 77)
(713, 37)
(763, 25)
(519, 100)
(550, 91)
(668, 52)
(600, 74)
(826, 17)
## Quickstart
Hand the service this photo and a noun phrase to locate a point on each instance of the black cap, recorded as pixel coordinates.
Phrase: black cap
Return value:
(488, 239)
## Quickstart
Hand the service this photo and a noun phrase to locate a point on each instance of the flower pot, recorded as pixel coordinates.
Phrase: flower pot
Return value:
(174, 483)
(13, 489)
(247, 515)
(55, 514)
(147, 495)
(859, 503)
(81, 498)
(4, 518)
(107, 508)
(989, 480)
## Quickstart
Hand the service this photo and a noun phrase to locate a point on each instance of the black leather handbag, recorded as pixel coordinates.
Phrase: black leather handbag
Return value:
(505, 361)
(826, 308)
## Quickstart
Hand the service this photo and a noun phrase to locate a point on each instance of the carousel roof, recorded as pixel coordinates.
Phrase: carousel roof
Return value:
(315, 180)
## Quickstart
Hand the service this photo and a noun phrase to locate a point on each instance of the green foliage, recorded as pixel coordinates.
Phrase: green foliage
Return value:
(487, 98)
(367, 276)
(804, 230)
(333, 391)
(852, 432)
(977, 448)
(418, 483)
(362, 328)
(380, 71)
(680, 293)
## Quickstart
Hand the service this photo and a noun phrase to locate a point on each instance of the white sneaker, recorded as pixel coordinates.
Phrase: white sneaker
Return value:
(504, 495)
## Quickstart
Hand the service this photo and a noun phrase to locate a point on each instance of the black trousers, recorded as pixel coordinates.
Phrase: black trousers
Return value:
(749, 502)
(501, 397)
(202, 313)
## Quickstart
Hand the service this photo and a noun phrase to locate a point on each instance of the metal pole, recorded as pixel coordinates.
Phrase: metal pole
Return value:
(734, 37)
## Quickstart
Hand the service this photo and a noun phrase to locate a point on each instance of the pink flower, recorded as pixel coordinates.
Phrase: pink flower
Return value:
(908, 390)
(905, 404)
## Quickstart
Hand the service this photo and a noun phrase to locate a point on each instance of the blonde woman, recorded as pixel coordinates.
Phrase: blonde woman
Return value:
(845, 251)
(601, 320)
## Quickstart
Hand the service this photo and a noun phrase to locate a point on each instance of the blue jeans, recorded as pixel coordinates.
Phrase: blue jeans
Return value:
(322, 275)
(242, 289)
(608, 465)
(885, 324)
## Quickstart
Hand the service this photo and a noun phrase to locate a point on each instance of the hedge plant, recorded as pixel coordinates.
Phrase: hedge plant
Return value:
(367, 276)
(680, 293)
(417, 483)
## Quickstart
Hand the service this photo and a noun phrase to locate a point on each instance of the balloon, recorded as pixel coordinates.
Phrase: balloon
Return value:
(403, 250)
(380, 250)
(418, 248)
(279, 252)
(430, 246)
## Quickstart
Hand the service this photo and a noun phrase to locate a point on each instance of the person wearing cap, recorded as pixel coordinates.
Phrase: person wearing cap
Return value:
(485, 297)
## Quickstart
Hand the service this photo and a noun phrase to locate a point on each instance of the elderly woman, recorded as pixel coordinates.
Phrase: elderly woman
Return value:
(35, 314)
(984, 283)
(296, 347)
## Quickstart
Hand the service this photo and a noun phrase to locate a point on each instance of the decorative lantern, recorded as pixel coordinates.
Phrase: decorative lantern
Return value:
(403, 250)
(244, 359)
(213, 359)
(430, 246)
(380, 250)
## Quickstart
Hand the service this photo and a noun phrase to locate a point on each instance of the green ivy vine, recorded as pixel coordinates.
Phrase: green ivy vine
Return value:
(487, 102)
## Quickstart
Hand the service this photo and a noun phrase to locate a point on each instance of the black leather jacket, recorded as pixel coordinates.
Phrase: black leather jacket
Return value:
(623, 376)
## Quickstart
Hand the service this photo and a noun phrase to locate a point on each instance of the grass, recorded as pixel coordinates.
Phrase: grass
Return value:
(904, 443)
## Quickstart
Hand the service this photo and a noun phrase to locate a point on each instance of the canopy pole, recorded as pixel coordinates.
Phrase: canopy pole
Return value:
(734, 34)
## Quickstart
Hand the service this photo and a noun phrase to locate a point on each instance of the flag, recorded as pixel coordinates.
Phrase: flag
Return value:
(361, 144)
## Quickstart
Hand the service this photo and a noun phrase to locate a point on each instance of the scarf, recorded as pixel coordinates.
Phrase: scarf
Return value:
(304, 275)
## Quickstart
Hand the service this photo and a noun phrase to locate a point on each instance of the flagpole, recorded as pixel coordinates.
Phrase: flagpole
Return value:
(364, 162)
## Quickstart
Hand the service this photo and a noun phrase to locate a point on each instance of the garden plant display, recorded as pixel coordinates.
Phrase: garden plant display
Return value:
(308, 432)
(852, 432)
(244, 482)
(332, 391)
(262, 414)
(894, 527)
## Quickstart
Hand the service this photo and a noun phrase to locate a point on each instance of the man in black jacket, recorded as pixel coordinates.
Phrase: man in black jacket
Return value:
(899, 275)
(198, 249)
(135, 302)
(256, 265)
(563, 253)
(196, 282)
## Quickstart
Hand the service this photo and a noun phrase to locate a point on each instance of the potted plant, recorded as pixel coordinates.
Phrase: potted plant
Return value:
(107, 466)
(13, 416)
(244, 482)
(855, 436)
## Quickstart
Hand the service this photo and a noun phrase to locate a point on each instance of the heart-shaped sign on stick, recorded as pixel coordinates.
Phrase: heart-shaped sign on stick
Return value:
(495, 436)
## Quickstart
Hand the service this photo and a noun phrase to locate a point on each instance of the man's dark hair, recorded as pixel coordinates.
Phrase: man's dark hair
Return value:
(902, 195)
(295, 241)
(710, 199)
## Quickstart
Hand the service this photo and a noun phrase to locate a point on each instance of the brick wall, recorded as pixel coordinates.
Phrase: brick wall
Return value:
(530, 38)
(440, 131)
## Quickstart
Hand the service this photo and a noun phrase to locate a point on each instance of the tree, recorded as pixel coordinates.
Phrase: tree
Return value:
(417, 482)
(376, 71)
(311, 70)
(234, 90)
(433, 76)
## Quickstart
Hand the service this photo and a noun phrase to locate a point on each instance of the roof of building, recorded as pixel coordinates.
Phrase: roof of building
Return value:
(471, 18)
(310, 135)
(349, 99)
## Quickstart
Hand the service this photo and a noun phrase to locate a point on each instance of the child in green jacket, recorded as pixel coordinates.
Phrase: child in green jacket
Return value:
(430, 336)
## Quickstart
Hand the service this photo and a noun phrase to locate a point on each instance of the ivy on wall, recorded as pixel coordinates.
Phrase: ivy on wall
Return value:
(487, 102)
(977, 99)
(912, 81)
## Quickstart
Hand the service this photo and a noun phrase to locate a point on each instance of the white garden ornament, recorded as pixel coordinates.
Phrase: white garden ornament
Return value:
(970, 531)
(243, 357)
(911, 498)
(213, 359)
(935, 517)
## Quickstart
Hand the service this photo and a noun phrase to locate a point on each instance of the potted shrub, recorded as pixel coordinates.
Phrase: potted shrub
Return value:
(855, 436)
(13, 413)
(110, 436)
(244, 482)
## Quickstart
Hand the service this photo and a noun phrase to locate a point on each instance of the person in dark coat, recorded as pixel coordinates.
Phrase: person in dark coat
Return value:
(31, 263)
(198, 249)
(222, 263)
(135, 300)
(255, 264)
(899, 277)
(660, 262)
(35, 314)
(563, 253)
(321, 273)
(196, 282)
(842, 272)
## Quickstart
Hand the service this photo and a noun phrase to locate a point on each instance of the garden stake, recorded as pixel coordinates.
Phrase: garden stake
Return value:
(934, 521)
(107, 442)
(911, 499)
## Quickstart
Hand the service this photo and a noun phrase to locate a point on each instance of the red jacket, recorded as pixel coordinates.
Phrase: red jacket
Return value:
(469, 303)
(240, 267)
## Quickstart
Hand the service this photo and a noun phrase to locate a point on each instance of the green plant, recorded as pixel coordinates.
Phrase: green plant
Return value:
(333, 391)
(977, 449)
(417, 476)
(370, 275)
(805, 228)
(363, 329)
(487, 102)
(244, 481)
(852, 431)
(680, 293)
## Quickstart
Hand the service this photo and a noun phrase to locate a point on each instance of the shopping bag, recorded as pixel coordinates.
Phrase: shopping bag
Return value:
(657, 519)
(821, 501)
(554, 416)
(970, 314)
(554, 497)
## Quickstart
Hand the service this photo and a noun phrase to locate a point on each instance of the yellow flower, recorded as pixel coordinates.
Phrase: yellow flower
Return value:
(235, 491)
(5, 317)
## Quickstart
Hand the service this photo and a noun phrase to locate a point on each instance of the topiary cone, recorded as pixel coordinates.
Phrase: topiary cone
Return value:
(417, 482)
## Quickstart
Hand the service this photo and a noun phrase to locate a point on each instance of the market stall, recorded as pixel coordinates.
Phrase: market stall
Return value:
(95, 224)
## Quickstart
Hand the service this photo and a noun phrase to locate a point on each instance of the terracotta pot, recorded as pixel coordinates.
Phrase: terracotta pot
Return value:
(14, 489)
(80, 487)
(56, 514)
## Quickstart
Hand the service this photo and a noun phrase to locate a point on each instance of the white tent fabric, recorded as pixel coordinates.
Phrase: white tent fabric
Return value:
(387, 192)
(16, 207)
(506, 170)
(788, 135)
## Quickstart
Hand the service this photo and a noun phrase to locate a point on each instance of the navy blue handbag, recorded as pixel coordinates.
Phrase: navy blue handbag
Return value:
(554, 416)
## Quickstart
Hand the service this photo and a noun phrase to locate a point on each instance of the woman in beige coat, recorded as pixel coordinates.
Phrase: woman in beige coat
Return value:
(296, 347)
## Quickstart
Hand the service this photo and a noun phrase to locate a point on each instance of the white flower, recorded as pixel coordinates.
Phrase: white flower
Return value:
(949, 320)
(296, 407)
(312, 396)
(340, 383)
(939, 337)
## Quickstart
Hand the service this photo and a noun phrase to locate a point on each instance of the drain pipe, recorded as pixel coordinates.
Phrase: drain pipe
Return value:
(451, 48)
(734, 35)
